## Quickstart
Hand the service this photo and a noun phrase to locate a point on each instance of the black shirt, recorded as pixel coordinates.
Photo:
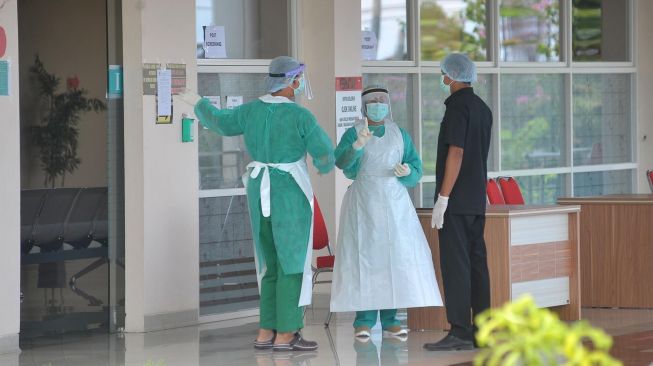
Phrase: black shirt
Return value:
(467, 123)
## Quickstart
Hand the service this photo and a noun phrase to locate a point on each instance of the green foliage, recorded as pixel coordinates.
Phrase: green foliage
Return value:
(520, 333)
(57, 133)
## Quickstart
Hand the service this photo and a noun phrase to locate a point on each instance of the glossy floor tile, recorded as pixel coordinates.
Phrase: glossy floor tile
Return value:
(230, 344)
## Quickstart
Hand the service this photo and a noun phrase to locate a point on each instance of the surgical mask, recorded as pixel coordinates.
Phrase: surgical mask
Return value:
(444, 86)
(300, 88)
(377, 111)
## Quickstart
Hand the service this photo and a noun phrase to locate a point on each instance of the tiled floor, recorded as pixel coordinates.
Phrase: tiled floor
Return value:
(230, 344)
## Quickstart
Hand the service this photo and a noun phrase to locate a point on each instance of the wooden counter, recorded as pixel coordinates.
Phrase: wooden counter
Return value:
(531, 249)
(616, 249)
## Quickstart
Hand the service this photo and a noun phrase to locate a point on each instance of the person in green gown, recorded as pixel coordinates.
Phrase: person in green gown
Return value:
(278, 134)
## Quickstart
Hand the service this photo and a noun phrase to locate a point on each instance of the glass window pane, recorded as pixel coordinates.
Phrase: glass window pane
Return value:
(227, 270)
(428, 195)
(453, 26)
(433, 111)
(603, 183)
(601, 30)
(532, 121)
(602, 119)
(529, 30)
(222, 160)
(254, 29)
(543, 189)
(387, 19)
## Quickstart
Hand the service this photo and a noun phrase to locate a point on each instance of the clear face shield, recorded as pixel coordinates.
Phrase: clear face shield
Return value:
(299, 74)
(376, 105)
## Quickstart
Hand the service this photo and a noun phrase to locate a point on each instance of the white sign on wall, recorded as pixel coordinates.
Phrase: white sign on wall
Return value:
(214, 42)
(369, 45)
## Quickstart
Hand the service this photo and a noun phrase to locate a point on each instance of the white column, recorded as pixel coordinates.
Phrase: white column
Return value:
(644, 82)
(161, 178)
(10, 194)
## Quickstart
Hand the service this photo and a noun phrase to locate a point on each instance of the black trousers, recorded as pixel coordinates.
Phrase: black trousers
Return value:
(463, 261)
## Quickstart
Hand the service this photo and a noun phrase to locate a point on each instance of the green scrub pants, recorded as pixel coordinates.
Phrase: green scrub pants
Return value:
(279, 291)
(368, 318)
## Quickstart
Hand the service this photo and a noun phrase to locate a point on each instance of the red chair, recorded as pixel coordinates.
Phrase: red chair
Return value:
(649, 174)
(511, 191)
(494, 196)
(324, 263)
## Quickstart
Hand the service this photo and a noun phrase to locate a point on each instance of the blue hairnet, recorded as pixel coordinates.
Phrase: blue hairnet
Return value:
(459, 68)
(282, 72)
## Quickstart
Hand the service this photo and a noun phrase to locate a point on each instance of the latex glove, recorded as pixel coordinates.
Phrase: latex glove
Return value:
(364, 136)
(402, 170)
(189, 97)
(437, 217)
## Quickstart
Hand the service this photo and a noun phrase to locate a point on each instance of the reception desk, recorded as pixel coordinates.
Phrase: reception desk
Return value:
(531, 249)
(616, 249)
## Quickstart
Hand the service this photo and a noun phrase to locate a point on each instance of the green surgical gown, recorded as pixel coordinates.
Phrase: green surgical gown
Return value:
(276, 133)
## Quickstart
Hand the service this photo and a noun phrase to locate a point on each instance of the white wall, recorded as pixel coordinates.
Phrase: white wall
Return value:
(644, 82)
(161, 180)
(70, 38)
(10, 190)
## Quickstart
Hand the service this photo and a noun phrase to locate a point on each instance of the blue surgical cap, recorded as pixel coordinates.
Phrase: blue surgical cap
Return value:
(459, 68)
(282, 72)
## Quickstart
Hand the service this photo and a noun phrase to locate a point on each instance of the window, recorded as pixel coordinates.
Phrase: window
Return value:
(529, 30)
(254, 29)
(453, 26)
(602, 119)
(387, 19)
(558, 83)
(532, 121)
(601, 30)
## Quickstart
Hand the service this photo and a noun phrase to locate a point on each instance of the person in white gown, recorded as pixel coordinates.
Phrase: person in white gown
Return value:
(383, 261)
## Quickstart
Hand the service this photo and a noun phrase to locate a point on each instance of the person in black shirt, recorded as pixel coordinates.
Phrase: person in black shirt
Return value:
(459, 210)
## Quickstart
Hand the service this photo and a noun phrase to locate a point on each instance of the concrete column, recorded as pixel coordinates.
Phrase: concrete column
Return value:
(161, 180)
(644, 90)
(10, 194)
(329, 43)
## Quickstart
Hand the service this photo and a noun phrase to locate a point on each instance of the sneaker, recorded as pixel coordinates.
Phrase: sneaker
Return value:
(362, 332)
(396, 331)
(450, 343)
(296, 344)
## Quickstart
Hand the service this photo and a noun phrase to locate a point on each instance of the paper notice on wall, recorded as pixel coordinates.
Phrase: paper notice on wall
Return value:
(348, 103)
(215, 100)
(178, 72)
(214, 42)
(368, 45)
(4, 78)
(164, 96)
(234, 101)
(149, 78)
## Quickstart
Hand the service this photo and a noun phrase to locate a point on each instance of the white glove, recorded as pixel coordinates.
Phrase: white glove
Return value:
(364, 136)
(402, 170)
(189, 97)
(437, 217)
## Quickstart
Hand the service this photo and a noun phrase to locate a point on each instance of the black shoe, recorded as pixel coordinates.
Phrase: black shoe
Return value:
(297, 344)
(450, 343)
(263, 345)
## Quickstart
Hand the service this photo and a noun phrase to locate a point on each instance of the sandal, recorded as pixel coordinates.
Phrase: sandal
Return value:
(265, 344)
(297, 344)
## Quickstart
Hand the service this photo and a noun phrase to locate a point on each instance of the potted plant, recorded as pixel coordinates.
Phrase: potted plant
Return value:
(56, 134)
(522, 334)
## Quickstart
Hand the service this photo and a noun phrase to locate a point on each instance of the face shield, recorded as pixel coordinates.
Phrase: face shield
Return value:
(376, 104)
(278, 81)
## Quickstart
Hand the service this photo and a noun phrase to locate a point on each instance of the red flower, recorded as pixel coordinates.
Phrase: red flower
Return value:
(73, 82)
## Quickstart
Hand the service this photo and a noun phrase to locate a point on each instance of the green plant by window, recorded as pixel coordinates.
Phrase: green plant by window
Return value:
(57, 134)
(522, 334)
